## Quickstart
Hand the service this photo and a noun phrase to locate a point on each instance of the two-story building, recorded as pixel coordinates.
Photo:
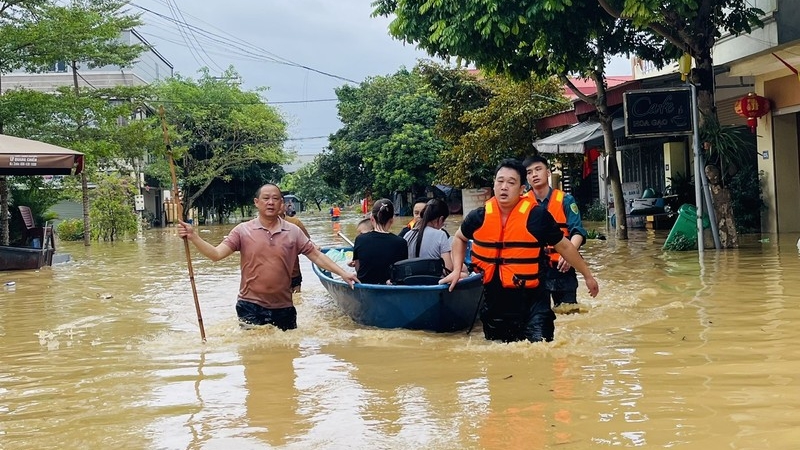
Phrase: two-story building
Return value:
(771, 56)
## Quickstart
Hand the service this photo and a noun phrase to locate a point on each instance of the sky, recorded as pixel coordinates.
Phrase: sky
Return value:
(301, 50)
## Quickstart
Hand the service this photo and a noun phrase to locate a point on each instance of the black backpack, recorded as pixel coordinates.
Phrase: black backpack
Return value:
(417, 271)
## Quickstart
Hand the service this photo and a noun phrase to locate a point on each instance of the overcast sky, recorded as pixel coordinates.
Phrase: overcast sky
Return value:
(336, 37)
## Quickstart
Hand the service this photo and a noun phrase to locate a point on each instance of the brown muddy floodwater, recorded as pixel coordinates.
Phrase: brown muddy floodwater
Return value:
(104, 352)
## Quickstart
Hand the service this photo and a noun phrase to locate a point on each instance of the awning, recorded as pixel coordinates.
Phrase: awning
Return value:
(579, 138)
(28, 157)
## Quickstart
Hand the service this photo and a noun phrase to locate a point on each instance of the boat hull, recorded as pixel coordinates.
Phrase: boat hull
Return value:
(22, 258)
(430, 308)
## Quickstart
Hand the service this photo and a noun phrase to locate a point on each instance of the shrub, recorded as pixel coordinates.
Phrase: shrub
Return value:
(746, 200)
(596, 212)
(70, 230)
(112, 215)
(595, 234)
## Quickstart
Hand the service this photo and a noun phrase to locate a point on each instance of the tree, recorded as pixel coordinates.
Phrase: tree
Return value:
(113, 217)
(87, 122)
(224, 196)
(308, 185)
(486, 118)
(519, 37)
(693, 26)
(15, 20)
(387, 142)
(84, 32)
(219, 129)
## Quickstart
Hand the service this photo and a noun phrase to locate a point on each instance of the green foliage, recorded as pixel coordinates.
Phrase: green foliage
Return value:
(387, 142)
(747, 202)
(308, 185)
(228, 194)
(35, 193)
(485, 118)
(112, 215)
(595, 234)
(682, 17)
(219, 131)
(596, 212)
(733, 150)
(552, 37)
(692, 26)
(727, 146)
(70, 230)
(16, 27)
(681, 185)
(82, 32)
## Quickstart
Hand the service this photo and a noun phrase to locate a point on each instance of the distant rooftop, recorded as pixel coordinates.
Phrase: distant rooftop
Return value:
(587, 86)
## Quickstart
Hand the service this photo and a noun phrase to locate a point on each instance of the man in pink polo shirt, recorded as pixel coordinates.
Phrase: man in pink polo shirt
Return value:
(268, 246)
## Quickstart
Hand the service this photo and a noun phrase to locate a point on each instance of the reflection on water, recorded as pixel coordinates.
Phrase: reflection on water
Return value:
(104, 352)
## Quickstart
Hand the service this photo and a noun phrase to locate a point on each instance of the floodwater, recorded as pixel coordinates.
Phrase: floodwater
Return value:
(104, 352)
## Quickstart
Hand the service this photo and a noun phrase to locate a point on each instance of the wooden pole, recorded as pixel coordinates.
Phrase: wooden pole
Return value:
(179, 215)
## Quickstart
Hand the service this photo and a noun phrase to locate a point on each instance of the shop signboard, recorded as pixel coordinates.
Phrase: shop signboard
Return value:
(658, 112)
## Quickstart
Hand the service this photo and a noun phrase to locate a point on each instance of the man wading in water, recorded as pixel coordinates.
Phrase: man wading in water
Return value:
(268, 246)
(508, 235)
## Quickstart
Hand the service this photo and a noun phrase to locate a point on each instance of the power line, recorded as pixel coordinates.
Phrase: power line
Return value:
(182, 22)
(271, 57)
(193, 102)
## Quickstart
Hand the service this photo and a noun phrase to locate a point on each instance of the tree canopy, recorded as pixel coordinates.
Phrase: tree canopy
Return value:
(693, 27)
(486, 118)
(217, 130)
(387, 142)
(552, 37)
(307, 184)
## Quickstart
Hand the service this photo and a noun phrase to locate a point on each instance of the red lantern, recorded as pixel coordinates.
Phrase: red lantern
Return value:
(751, 107)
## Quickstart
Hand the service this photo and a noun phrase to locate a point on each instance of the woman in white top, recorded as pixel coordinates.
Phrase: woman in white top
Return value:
(427, 239)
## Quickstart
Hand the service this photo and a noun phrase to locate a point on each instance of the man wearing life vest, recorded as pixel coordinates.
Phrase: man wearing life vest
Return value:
(560, 280)
(509, 233)
(335, 213)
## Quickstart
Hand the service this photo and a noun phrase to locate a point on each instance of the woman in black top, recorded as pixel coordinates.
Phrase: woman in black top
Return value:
(376, 251)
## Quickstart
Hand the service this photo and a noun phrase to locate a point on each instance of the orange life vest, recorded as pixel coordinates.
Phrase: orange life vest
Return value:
(411, 223)
(336, 211)
(556, 208)
(511, 249)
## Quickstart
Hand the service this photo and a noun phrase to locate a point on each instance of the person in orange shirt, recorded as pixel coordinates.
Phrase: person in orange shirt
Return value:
(560, 278)
(508, 233)
(335, 213)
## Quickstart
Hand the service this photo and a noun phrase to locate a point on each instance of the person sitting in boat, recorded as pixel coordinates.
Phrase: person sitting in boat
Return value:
(374, 252)
(426, 239)
(267, 246)
(364, 226)
(416, 210)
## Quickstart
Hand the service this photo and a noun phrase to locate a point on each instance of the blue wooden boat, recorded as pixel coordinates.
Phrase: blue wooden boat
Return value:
(430, 308)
